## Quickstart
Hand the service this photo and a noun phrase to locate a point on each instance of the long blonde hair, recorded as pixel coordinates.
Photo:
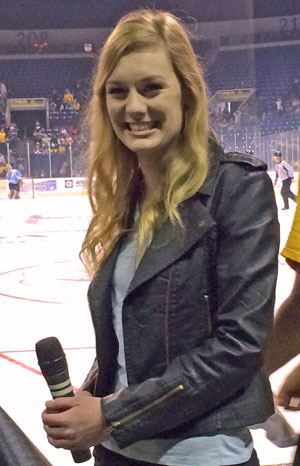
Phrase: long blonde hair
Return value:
(114, 179)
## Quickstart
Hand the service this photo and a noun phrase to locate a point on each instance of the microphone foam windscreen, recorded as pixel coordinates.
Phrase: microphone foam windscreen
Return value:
(50, 354)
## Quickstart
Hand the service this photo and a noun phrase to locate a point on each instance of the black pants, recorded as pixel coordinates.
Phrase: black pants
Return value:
(109, 458)
(286, 192)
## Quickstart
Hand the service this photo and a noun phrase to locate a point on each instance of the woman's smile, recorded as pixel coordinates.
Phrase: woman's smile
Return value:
(143, 128)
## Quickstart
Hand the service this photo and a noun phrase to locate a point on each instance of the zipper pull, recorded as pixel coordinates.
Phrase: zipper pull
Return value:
(115, 424)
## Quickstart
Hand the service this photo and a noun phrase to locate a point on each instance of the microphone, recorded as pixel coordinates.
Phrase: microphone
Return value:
(54, 367)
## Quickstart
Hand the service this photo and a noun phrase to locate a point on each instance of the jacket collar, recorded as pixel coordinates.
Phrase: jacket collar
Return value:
(214, 154)
(171, 241)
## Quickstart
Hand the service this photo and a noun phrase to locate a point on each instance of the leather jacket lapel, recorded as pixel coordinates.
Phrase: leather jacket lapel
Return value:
(99, 292)
(172, 241)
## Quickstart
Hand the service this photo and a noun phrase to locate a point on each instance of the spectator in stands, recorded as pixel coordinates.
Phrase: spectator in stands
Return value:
(71, 131)
(285, 173)
(63, 131)
(38, 132)
(12, 136)
(14, 178)
(39, 159)
(38, 150)
(52, 106)
(76, 105)
(68, 99)
(61, 145)
(68, 139)
(55, 100)
(3, 148)
(54, 134)
(53, 148)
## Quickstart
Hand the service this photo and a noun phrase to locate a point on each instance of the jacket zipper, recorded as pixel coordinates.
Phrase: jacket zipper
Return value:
(208, 316)
(117, 424)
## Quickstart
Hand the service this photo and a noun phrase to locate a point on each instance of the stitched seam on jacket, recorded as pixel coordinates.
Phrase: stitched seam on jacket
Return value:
(167, 316)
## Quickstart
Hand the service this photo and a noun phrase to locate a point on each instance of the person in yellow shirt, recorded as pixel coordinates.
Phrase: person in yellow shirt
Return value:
(68, 99)
(285, 343)
(2, 135)
(3, 140)
(76, 105)
(291, 250)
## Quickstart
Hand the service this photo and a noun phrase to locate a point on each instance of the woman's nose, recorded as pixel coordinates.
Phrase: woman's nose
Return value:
(135, 102)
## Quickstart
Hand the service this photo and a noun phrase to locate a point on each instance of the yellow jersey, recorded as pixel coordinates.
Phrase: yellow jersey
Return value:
(68, 98)
(2, 137)
(292, 247)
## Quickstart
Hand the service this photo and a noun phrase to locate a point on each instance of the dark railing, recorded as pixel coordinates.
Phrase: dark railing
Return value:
(15, 447)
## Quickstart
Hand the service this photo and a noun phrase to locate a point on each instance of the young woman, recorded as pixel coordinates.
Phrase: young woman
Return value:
(183, 247)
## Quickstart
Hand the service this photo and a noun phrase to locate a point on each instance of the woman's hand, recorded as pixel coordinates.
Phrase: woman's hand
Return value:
(290, 389)
(74, 423)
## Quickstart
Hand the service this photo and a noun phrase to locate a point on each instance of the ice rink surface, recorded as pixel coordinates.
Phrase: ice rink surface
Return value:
(43, 288)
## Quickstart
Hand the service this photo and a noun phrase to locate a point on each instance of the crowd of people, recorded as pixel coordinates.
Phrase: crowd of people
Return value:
(68, 100)
(55, 141)
(258, 110)
(60, 143)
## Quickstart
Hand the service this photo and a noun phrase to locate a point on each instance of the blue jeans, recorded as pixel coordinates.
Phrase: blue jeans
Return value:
(109, 458)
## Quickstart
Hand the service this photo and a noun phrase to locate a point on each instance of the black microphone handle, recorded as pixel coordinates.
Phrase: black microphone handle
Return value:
(60, 386)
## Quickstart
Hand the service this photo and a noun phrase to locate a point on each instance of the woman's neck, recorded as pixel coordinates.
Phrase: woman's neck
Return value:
(153, 174)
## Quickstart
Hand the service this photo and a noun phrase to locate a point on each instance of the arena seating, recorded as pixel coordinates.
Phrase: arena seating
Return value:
(272, 71)
(38, 77)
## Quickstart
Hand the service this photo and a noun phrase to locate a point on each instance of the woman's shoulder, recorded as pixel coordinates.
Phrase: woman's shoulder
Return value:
(248, 161)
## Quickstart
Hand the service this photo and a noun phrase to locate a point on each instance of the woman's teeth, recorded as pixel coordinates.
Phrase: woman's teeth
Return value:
(140, 126)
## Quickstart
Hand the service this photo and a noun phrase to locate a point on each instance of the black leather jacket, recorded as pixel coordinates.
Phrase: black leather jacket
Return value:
(197, 313)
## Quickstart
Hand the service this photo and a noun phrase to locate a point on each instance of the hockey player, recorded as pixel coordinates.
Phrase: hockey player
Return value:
(14, 177)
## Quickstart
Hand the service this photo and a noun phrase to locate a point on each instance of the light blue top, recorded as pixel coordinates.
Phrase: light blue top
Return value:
(14, 176)
(227, 448)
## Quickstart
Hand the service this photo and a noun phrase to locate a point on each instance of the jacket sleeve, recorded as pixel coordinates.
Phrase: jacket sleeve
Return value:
(204, 379)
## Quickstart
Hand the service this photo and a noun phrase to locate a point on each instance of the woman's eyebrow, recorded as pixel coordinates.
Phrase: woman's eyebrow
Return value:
(148, 78)
(113, 82)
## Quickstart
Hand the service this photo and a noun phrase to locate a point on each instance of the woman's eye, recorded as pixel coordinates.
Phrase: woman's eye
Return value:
(116, 91)
(152, 89)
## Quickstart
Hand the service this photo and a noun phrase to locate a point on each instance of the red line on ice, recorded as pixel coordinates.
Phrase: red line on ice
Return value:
(18, 363)
(28, 299)
(25, 366)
